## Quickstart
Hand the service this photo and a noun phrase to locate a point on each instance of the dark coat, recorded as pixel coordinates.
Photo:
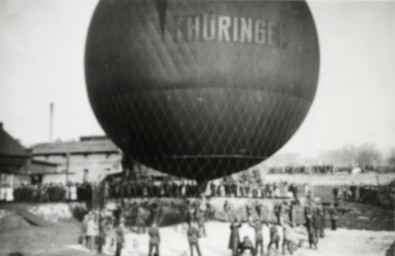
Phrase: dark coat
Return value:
(234, 239)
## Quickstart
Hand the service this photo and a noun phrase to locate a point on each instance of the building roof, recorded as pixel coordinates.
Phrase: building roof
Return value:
(75, 147)
(153, 173)
(10, 146)
(44, 163)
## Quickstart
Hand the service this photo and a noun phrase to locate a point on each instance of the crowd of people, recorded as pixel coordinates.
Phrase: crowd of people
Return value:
(58, 192)
(146, 216)
(315, 214)
(362, 194)
(330, 169)
(306, 169)
(106, 228)
(315, 218)
(177, 188)
(252, 189)
(150, 188)
(51, 192)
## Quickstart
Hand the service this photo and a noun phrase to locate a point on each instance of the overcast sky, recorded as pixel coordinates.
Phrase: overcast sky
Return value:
(41, 61)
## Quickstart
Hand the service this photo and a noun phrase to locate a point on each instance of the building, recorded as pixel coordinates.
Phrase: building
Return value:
(14, 161)
(17, 165)
(88, 160)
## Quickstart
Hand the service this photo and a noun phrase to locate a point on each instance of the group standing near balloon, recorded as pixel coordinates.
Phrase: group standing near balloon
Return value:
(201, 90)
(149, 217)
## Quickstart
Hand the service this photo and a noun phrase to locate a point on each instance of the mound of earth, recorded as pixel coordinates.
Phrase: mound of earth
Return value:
(10, 221)
(34, 240)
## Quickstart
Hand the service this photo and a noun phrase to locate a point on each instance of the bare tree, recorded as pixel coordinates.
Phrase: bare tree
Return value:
(368, 155)
(348, 154)
(344, 156)
(391, 158)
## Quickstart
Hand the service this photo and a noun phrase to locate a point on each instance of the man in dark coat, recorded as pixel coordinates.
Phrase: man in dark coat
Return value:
(234, 239)
(120, 238)
(308, 212)
(212, 189)
(140, 220)
(334, 216)
(313, 231)
(279, 208)
(321, 221)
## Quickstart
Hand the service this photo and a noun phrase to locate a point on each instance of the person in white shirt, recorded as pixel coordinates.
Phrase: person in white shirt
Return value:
(91, 231)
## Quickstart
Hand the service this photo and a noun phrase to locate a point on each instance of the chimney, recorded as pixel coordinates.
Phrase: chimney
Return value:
(50, 122)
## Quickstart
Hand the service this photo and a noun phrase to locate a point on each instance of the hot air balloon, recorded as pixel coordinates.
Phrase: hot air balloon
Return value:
(201, 89)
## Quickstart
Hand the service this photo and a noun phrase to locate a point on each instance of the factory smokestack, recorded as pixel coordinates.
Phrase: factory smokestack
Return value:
(50, 122)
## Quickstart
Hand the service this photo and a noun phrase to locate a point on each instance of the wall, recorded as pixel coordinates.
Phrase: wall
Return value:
(41, 168)
(97, 164)
(59, 178)
(13, 180)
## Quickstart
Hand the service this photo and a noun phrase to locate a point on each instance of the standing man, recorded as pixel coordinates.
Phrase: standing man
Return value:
(200, 216)
(308, 211)
(274, 238)
(154, 241)
(140, 219)
(295, 194)
(314, 229)
(334, 216)
(120, 237)
(193, 239)
(212, 189)
(321, 221)
(278, 210)
(91, 231)
(234, 188)
(191, 213)
(291, 213)
(234, 239)
(257, 226)
(287, 239)
(311, 223)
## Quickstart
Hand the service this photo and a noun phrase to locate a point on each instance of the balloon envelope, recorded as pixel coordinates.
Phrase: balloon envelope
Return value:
(201, 89)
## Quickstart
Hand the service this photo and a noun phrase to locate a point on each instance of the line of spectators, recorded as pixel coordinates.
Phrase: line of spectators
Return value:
(364, 194)
(51, 192)
(150, 188)
(326, 169)
(57, 192)
(175, 188)
(250, 189)
(304, 169)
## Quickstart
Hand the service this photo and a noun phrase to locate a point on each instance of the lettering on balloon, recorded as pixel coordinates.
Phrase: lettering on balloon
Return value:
(224, 28)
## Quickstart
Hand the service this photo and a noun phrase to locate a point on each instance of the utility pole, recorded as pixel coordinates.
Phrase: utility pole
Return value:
(51, 110)
(67, 172)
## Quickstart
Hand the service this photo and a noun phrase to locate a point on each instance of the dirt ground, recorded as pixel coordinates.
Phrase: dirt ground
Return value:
(26, 239)
(339, 242)
(60, 239)
(365, 230)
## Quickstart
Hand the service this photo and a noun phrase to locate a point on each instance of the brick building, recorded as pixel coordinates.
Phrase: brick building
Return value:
(90, 159)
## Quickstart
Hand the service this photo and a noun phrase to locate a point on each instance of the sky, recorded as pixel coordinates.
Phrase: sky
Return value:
(42, 45)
